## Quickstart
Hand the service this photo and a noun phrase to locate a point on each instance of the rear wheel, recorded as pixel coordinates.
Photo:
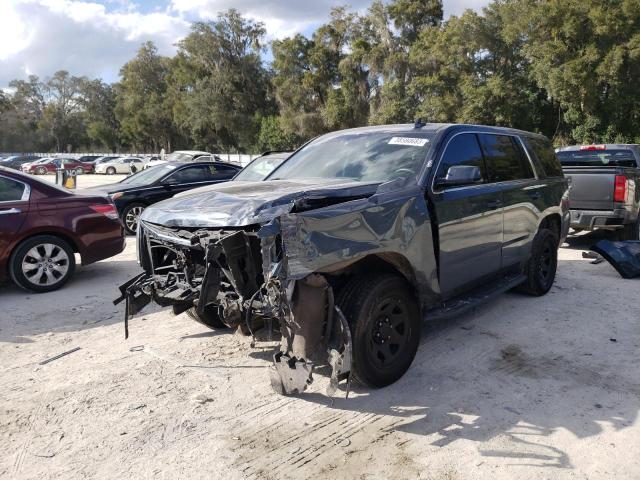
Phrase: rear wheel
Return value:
(79, 171)
(385, 325)
(131, 217)
(41, 171)
(631, 231)
(542, 265)
(111, 170)
(209, 317)
(42, 264)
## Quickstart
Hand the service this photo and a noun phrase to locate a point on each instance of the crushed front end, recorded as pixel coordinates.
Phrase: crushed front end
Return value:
(239, 277)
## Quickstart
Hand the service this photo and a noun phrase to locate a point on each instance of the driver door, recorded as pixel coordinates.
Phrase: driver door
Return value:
(470, 220)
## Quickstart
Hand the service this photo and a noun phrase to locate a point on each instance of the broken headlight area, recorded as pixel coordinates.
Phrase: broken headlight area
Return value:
(241, 275)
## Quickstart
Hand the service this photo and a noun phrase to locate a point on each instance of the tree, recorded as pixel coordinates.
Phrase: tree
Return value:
(141, 102)
(220, 89)
(273, 137)
(62, 116)
(99, 103)
(586, 55)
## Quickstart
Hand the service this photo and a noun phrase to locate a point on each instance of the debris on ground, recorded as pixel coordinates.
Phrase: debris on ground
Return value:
(623, 256)
(44, 362)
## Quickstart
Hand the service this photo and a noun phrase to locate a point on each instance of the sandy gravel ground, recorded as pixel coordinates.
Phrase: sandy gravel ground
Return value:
(545, 388)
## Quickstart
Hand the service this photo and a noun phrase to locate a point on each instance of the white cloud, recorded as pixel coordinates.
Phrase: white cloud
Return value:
(86, 37)
(42, 36)
(282, 18)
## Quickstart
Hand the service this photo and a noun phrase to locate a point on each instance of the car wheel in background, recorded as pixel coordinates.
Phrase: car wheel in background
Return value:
(42, 263)
(385, 322)
(131, 216)
(631, 231)
(79, 171)
(541, 267)
(41, 171)
(209, 317)
(111, 170)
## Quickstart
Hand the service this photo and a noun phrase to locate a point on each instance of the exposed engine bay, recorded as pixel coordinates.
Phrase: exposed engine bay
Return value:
(238, 276)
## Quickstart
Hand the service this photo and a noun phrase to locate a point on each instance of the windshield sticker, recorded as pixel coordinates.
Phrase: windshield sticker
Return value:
(409, 141)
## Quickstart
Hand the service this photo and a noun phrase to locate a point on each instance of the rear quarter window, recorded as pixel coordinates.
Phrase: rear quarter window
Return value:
(10, 190)
(543, 151)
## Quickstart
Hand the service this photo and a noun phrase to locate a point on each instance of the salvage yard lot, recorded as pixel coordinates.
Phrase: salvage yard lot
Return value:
(522, 388)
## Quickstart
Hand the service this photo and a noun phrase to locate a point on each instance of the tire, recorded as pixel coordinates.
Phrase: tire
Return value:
(541, 268)
(79, 171)
(41, 171)
(371, 306)
(209, 318)
(631, 231)
(56, 254)
(111, 170)
(131, 216)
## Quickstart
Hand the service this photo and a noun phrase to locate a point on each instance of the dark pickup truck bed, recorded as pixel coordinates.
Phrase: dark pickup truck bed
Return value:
(605, 187)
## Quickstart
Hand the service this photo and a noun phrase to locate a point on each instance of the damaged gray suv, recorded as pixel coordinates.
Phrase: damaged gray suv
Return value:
(356, 239)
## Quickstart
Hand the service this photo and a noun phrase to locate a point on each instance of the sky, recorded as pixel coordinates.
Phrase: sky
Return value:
(96, 37)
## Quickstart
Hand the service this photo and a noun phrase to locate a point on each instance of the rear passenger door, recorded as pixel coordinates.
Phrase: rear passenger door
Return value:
(512, 172)
(14, 208)
(469, 219)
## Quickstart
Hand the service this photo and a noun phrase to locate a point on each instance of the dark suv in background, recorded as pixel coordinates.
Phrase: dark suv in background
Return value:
(355, 238)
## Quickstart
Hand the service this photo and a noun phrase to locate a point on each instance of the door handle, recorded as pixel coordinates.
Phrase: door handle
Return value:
(10, 211)
(494, 204)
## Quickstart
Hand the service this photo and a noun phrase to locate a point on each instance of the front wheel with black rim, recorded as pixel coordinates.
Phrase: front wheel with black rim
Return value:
(131, 217)
(209, 318)
(384, 317)
(541, 268)
(42, 264)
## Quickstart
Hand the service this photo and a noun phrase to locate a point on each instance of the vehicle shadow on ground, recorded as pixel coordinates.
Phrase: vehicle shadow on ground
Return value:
(81, 304)
(586, 240)
(466, 401)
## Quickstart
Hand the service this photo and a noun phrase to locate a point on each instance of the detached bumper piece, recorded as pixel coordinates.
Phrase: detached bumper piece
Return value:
(623, 256)
(289, 375)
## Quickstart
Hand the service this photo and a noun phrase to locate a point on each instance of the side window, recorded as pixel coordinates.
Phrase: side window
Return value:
(223, 172)
(546, 156)
(505, 159)
(462, 150)
(198, 173)
(10, 190)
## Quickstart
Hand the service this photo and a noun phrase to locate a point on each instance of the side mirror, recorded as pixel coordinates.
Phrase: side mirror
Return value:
(460, 175)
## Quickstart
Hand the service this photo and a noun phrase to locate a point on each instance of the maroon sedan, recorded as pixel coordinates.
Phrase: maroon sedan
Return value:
(50, 166)
(42, 226)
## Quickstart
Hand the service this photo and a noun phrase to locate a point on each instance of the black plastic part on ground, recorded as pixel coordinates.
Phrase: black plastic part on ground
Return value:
(623, 256)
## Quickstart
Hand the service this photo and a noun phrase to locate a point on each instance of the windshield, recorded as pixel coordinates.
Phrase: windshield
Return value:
(178, 157)
(150, 175)
(368, 157)
(259, 168)
(597, 158)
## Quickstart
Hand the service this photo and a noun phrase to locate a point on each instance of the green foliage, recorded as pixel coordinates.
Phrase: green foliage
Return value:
(273, 137)
(218, 83)
(566, 68)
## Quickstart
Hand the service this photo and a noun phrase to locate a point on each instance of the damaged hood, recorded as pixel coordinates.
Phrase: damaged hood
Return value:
(238, 204)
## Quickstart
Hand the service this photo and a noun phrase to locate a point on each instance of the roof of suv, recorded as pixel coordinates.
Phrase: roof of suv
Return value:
(435, 128)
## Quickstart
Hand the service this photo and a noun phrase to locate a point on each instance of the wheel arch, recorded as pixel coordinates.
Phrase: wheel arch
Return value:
(553, 222)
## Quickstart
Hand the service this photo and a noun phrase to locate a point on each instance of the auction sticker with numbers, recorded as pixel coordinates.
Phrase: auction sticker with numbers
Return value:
(409, 141)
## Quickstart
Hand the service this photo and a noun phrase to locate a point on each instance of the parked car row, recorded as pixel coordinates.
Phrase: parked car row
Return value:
(42, 225)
